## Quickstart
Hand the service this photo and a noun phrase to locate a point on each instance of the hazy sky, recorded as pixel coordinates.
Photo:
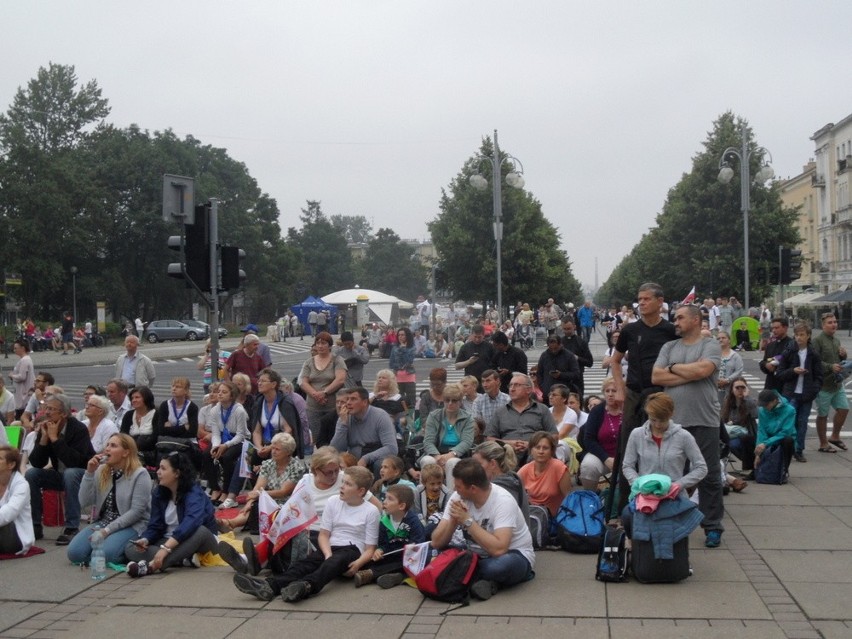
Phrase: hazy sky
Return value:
(373, 106)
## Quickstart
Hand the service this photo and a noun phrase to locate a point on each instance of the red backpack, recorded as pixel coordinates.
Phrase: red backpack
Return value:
(448, 576)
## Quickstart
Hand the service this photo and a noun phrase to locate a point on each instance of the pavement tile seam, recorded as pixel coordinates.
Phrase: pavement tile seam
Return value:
(770, 589)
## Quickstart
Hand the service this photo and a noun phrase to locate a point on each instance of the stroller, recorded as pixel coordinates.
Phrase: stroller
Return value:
(525, 336)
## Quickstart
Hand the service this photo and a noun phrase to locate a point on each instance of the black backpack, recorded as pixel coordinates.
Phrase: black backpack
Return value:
(612, 558)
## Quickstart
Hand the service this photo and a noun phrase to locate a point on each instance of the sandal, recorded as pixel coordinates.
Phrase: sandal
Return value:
(837, 443)
(738, 485)
(826, 449)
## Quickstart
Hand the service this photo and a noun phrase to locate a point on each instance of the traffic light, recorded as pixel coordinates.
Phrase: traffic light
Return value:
(196, 251)
(232, 274)
(791, 265)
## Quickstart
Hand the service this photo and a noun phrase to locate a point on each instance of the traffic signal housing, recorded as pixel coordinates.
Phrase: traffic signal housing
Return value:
(232, 274)
(196, 252)
(791, 265)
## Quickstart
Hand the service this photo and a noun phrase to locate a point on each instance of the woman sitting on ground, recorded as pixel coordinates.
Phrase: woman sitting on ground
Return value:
(600, 438)
(119, 488)
(179, 415)
(499, 462)
(433, 397)
(101, 427)
(739, 418)
(278, 477)
(142, 423)
(448, 434)
(386, 395)
(545, 478)
(564, 417)
(16, 522)
(181, 525)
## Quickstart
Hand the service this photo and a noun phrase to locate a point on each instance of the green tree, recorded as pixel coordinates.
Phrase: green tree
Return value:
(355, 228)
(391, 266)
(326, 260)
(698, 239)
(45, 190)
(534, 267)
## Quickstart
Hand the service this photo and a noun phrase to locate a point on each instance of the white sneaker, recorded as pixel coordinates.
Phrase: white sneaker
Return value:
(228, 503)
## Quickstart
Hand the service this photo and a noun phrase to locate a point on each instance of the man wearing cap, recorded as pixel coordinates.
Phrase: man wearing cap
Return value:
(354, 355)
(262, 349)
(246, 360)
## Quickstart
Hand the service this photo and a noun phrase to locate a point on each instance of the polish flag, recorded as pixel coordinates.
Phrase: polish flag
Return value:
(689, 299)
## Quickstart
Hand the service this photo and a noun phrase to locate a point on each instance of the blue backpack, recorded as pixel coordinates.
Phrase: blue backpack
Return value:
(579, 525)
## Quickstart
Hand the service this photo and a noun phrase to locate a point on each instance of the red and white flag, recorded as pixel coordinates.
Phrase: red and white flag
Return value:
(267, 509)
(297, 514)
(415, 557)
(689, 299)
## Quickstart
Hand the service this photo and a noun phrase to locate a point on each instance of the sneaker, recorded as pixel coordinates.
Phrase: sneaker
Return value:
(137, 568)
(483, 589)
(232, 557)
(713, 539)
(799, 456)
(228, 503)
(390, 581)
(67, 535)
(296, 591)
(252, 561)
(39, 531)
(364, 577)
(254, 586)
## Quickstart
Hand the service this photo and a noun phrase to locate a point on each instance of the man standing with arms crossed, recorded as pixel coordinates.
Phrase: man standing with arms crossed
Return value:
(688, 369)
(833, 393)
(643, 340)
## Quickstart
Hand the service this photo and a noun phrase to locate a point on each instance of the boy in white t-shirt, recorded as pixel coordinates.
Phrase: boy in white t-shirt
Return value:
(347, 540)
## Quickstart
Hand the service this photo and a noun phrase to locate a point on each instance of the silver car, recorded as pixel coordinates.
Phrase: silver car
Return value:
(162, 330)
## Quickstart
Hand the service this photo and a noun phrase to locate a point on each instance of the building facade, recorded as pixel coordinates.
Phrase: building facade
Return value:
(830, 180)
(800, 192)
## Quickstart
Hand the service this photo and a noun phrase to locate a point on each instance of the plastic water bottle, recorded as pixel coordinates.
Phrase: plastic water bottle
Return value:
(97, 563)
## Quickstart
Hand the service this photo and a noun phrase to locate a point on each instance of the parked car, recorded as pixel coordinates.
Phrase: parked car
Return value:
(162, 330)
(223, 332)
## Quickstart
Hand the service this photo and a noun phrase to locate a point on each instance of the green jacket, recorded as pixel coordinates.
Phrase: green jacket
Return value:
(776, 424)
(828, 349)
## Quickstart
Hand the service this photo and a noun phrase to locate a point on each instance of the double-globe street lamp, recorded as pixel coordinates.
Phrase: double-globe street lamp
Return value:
(515, 179)
(726, 173)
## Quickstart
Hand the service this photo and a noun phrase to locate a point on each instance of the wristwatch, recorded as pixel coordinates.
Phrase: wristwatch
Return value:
(467, 523)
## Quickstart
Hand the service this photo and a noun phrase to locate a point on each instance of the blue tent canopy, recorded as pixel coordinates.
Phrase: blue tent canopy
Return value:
(311, 303)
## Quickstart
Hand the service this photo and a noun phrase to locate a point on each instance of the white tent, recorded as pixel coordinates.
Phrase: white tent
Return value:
(384, 306)
(804, 299)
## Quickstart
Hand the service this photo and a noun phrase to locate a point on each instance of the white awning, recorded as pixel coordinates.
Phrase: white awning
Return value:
(804, 299)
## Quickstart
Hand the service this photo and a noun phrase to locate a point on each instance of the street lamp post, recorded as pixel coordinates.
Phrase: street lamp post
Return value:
(514, 179)
(725, 175)
(74, 293)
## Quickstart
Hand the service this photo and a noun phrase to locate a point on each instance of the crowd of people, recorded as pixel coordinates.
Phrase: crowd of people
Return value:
(460, 464)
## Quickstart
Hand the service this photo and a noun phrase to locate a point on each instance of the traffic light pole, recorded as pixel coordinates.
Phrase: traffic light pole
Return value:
(213, 231)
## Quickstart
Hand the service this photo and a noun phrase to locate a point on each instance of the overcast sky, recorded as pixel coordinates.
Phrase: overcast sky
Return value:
(373, 106)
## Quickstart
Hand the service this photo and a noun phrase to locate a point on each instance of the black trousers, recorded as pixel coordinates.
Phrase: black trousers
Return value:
(316, 569)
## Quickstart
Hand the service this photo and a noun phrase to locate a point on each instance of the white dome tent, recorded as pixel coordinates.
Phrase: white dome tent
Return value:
(384, 307)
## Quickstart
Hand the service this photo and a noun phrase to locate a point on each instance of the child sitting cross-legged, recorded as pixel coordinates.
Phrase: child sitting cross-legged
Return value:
(390, 474)
(398, 526)
(347, 540)
(430, 497)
